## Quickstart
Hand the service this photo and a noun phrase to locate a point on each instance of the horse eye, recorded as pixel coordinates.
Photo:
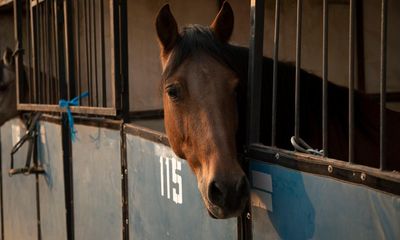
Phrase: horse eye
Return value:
(173, 92)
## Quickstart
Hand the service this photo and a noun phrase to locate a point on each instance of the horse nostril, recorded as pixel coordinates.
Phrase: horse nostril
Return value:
(243, 187)
(217, 193)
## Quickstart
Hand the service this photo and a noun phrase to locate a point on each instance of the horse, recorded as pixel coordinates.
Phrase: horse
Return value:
(8, 99)
(204, 91)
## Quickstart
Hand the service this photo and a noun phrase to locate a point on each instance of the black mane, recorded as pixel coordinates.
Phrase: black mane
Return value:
(195, 39)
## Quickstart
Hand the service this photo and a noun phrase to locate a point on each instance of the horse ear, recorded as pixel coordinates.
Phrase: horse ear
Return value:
(167, 28)
(7, 57)
(222, 26)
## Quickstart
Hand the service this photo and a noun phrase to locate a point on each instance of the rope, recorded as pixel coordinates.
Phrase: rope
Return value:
(66, 104)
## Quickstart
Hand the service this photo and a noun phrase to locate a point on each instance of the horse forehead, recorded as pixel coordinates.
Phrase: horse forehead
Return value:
(204, 70)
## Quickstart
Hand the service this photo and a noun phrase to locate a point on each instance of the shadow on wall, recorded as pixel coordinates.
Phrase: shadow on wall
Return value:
(288, 212)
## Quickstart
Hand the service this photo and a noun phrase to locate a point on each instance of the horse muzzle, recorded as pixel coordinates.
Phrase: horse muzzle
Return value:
(227, 197)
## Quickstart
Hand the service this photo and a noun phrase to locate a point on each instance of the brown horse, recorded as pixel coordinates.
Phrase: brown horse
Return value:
(8, 100)
(204, 96)
(201, 118)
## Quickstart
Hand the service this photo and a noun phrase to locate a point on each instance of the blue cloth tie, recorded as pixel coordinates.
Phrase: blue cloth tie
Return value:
(66, 104)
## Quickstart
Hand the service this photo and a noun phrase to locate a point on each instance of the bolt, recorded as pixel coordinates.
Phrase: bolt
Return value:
(363, 176)
(330, 169)
(277, 156)
(248, 215)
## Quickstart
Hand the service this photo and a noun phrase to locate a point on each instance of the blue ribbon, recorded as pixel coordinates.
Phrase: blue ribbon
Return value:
(66, 104)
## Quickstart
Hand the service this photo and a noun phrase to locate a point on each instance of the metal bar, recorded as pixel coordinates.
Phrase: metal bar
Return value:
(95, 52)
(68, 175)
(29, 46)
(81, 109)
(275, 72)
(103, 62)
(325, 79)
(42, 75)
(66, 139)
(115, 54)
(351, 83)
(124, 185)
(69, 49)
(253, 98)
(382, 137)
(388, 181)
(255, 70)
(78, 43)
(87, 51)
(54, 26)
(124, 60)
(34, 55)
(46, 52)
(90, 65)
(40, 51)
(298, 65)
(50, 46)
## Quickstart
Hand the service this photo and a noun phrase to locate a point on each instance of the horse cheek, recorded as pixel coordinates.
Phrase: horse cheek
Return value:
(173, 131)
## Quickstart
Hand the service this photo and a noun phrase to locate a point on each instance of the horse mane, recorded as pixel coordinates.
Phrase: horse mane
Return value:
(196, 39)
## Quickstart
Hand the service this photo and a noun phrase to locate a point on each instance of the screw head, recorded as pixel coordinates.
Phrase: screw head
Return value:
(248, 216)
(363, 176)
(277, 156)
(330, 169)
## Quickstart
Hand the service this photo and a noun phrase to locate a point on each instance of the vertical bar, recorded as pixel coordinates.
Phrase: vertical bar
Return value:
(351, 83)
(18, 39)
(275, 72)
(124, 185)
(103, 60)
(124, 60)
(115, 54)
(298, 64)
(87, 51)
(39, 52)
(255, 70)
(35, 164)
(34, 53)
(65, 131)
(50, 57)
(125, 112)
(90, 64)
(29, 81)
(46, 52)
(325, 79)
(42, 92)
(382, 138)
(69, 47)
(56, 47)
(95, 52)
(78, 53)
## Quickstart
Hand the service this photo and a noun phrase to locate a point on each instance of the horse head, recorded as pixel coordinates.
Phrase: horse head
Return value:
(8, 101)
(200, 108)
